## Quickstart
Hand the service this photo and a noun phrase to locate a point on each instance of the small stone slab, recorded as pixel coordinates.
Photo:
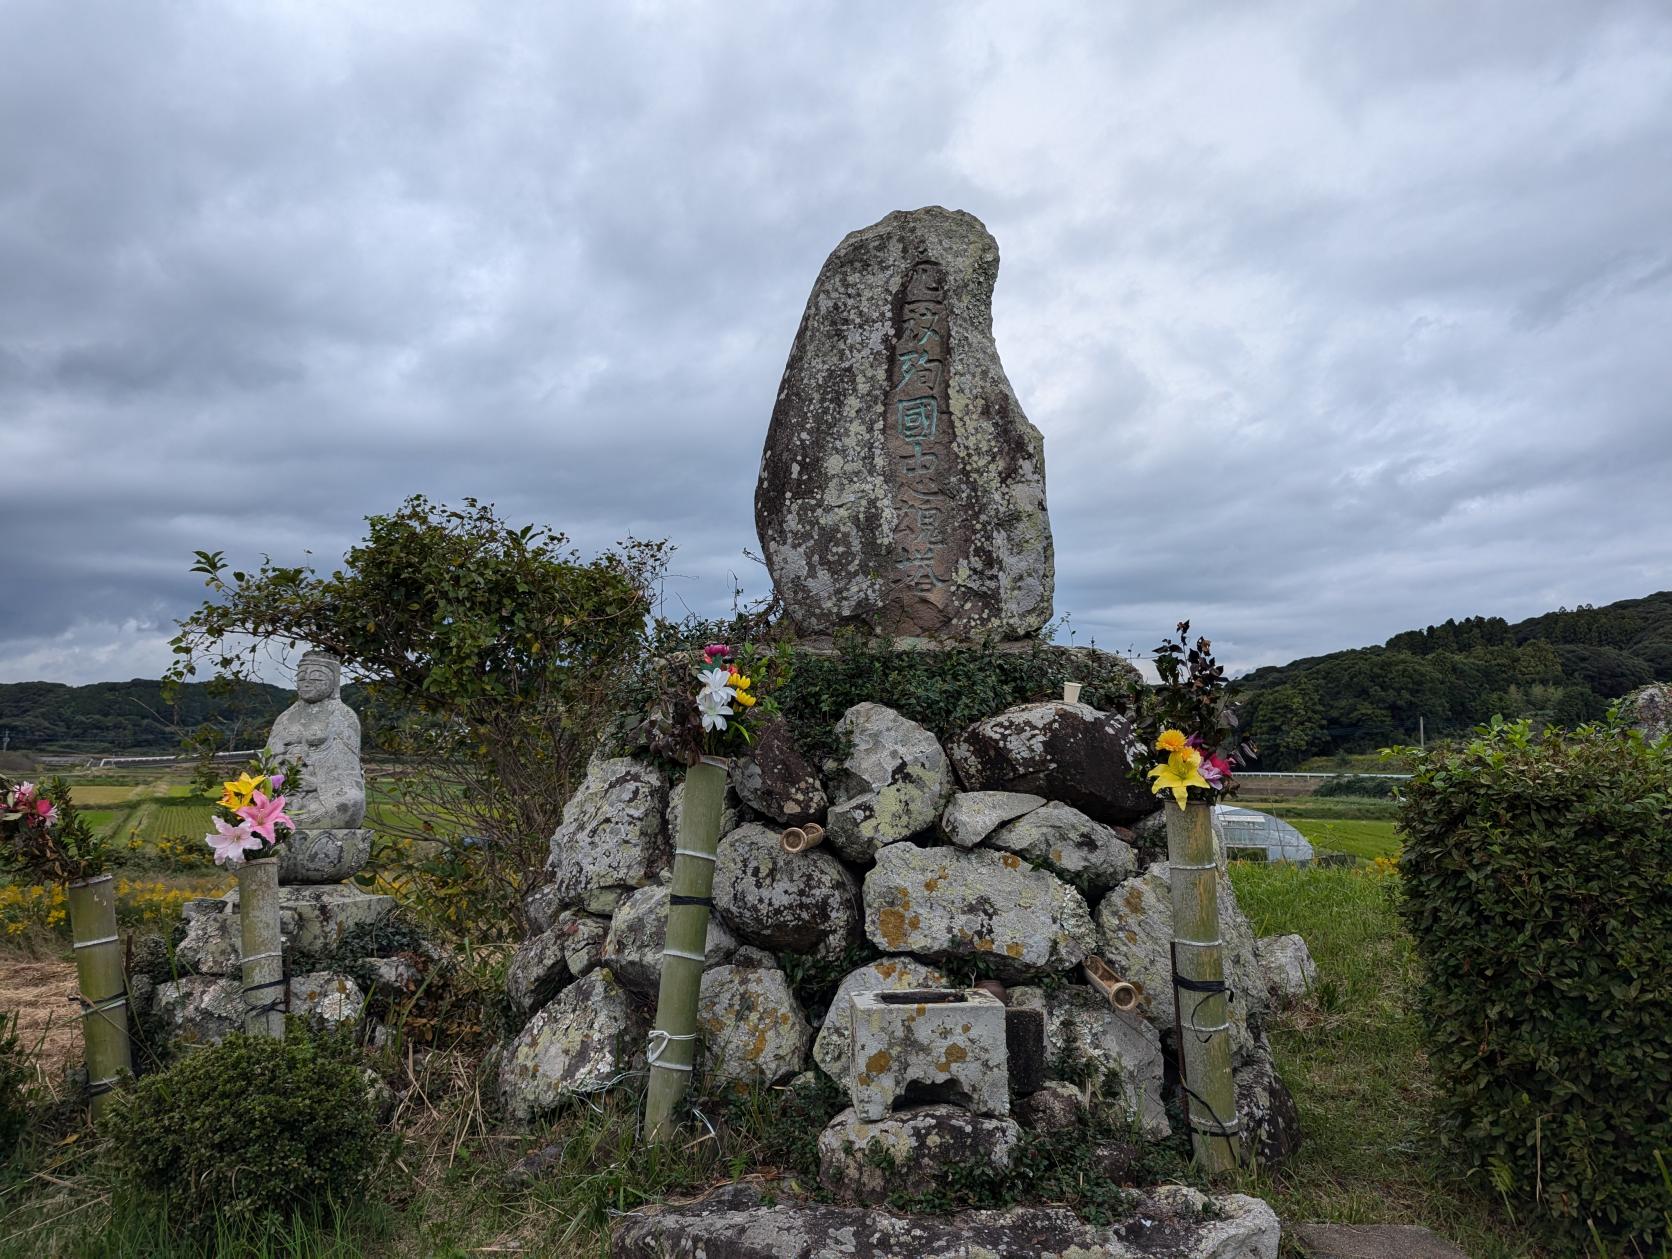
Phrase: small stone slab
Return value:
(1372, 1241)
(974, 815)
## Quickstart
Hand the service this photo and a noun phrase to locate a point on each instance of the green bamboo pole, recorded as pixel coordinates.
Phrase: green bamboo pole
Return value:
(263, 950)
(1202, 1022)
(104, 988)
(673, 1044)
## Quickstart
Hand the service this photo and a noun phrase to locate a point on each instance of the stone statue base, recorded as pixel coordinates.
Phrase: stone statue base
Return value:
(314, 918)
(312, 857)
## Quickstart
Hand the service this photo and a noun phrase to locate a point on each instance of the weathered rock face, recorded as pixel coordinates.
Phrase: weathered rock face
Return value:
(1136, 921)
(633, 947)
(895, 974)
(947, 902)
(908, 1152)
(326, 999)
(1081, 1028)
(777, 780)
(1067, 842)
(612, 837)
(753, 1030)
(802, 902)
(199, 1009)
(1287, 964)
(893, 784)
(902, 489)
(974, 815)
(738, 1222)
(1649, 708)
(537, 972)
(1067, 752)
(213, 944)
(578, 1044)
(1270, 1119)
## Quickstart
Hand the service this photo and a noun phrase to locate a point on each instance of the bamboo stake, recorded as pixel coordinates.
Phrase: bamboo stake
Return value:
(673, 1044)
(263, 951)
(1203, 1023)
(104, 988)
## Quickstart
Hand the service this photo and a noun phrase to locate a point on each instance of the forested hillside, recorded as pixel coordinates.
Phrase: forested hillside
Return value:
(131, 717)
(1563, 667)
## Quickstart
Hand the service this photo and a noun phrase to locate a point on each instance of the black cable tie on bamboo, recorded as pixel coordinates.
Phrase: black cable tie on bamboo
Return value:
(101, 1088)
(692, 900)
(1205, 985)
(90, 1006)
(276, 1005)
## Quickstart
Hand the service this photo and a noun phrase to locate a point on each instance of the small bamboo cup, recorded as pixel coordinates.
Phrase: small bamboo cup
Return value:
(800, 838)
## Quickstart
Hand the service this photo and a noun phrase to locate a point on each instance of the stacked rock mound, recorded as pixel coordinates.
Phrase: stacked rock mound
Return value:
(1006, 855)
(318, 908)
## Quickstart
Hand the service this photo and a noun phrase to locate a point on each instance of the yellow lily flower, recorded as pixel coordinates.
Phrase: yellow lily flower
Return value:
(1171, 741)
(239, 790)
(1178, 775)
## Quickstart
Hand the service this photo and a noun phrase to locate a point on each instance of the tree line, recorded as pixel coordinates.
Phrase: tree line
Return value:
(1562, 668)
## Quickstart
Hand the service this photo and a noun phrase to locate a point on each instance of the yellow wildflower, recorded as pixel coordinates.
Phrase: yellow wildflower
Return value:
(1171, 741)
(1181, 772)
(239, 790)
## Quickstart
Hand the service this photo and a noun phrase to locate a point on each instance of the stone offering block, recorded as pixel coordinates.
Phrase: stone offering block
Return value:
(931, 1045)
(324, 856)
(902, 489)
(313, 919)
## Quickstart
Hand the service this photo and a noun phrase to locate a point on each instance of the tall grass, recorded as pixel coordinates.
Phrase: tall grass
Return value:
(1352, 1056)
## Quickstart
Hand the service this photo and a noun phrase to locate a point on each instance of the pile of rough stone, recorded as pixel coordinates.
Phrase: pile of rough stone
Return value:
(1007, 854)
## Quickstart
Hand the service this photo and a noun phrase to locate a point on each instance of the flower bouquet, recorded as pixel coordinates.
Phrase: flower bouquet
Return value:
(251, 817)
(43, 838)
(1191, 722)
(249, 827)
(702, 710)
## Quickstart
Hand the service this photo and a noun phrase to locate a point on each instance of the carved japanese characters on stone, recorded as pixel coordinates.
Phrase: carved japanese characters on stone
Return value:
(902, 490)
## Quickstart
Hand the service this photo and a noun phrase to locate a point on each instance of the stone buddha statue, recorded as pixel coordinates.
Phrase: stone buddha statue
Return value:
(321, 734)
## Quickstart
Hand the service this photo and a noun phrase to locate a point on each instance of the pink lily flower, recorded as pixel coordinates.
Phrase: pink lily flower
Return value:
(231, 842)
(262, 814)
(46, 813)
(23, 793)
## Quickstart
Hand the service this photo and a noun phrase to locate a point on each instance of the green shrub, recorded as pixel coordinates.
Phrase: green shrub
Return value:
(251, 1127)
(1536, 874)
(1359, 786)
(945, 691)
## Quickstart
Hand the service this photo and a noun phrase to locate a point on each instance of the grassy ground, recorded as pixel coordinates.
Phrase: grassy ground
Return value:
(1367, 839)
(1352, 1058)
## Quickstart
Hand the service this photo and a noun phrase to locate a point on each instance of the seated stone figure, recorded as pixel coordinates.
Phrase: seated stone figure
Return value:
(321, 734)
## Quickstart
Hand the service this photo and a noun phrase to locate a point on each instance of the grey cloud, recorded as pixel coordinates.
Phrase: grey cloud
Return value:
(1335, 321)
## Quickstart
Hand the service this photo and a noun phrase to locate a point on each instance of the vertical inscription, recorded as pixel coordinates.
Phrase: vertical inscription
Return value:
(917, 434)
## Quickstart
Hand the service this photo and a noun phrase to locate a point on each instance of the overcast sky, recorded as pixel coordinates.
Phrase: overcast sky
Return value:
(1338, 319)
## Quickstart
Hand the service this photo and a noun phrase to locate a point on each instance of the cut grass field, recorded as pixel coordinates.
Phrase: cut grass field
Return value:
(1352, 1057)
(1367, 839)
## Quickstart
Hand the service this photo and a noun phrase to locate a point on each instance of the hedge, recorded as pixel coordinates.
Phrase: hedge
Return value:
(1538, 885)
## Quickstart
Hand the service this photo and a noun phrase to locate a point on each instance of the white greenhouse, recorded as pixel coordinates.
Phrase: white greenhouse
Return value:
(1247, 834)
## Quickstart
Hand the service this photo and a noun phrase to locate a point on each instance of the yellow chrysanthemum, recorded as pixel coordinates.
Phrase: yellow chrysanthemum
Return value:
(1178, 775)
(1171, 741)
(239, 791)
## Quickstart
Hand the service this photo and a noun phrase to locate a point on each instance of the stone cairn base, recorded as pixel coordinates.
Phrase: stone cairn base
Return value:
(317, 909)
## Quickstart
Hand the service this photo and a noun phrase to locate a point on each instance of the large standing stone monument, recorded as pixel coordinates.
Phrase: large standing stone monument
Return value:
(902, 489)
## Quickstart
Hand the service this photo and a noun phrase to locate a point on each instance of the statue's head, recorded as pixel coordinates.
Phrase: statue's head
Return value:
(319, 676)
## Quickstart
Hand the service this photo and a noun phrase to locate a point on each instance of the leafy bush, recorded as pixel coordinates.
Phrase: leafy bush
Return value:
(1359, 786)
(1535, 873)
(251, 1127)
(943, 690)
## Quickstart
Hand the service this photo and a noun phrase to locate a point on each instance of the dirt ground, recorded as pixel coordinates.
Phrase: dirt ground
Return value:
(43, 994)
